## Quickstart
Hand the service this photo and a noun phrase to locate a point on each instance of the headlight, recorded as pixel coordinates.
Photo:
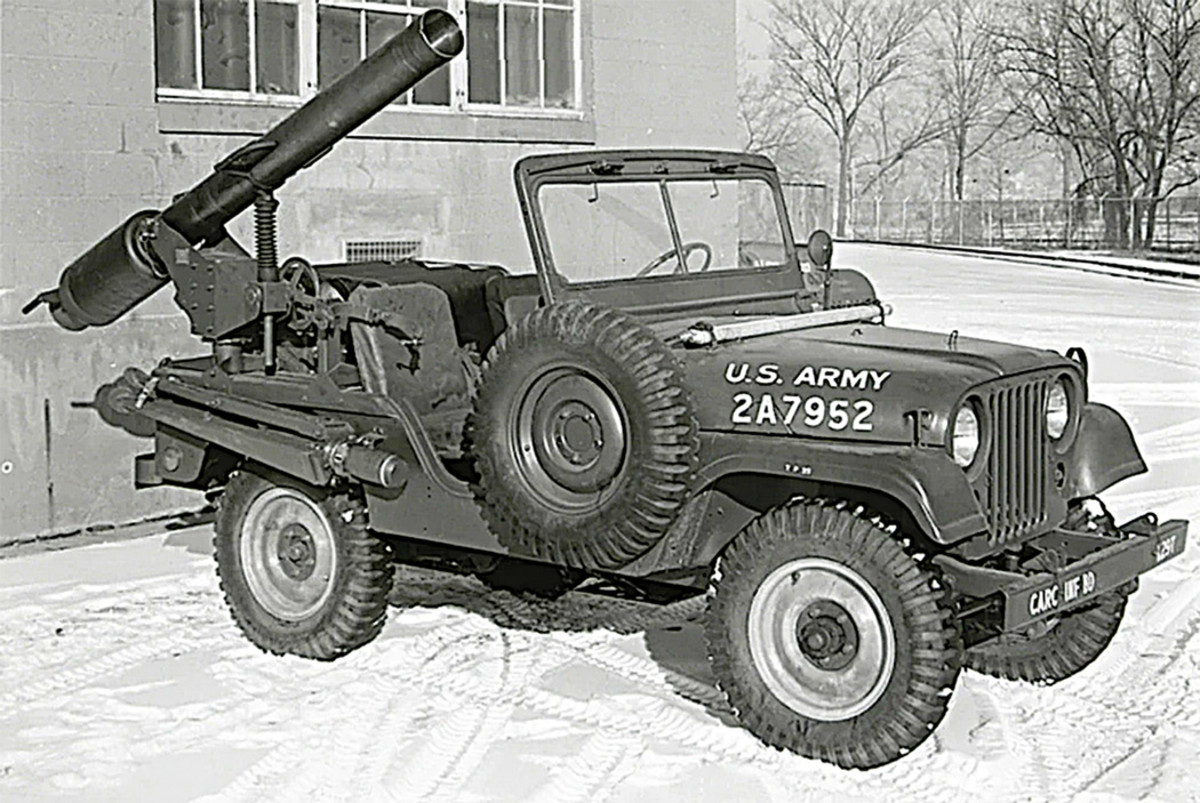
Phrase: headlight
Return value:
(966, 436)
(1058, 410)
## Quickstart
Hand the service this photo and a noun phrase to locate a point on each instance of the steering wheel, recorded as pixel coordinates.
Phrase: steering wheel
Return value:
(688, 248)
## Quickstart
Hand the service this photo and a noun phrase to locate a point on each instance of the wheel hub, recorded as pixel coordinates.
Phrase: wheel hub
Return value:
(821, 639)
(297, 552)
(827, 635)
(577, 434)
(288, 553)
(569, 437)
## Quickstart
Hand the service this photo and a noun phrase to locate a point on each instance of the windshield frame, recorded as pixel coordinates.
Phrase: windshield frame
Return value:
(660, 167)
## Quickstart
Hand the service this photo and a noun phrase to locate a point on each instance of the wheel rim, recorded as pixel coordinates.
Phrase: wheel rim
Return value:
(567, 433)
(821, 639)
(288, 553)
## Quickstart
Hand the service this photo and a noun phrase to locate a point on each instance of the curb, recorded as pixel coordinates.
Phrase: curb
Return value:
(1175, 274)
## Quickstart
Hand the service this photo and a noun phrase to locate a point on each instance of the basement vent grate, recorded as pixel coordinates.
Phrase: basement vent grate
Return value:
(382, 250)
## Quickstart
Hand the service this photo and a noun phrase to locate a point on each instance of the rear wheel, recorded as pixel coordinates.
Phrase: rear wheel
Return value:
(828, 639)
(300, 572)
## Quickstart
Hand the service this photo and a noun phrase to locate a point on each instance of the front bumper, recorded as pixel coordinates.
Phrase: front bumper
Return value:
(1097, 564)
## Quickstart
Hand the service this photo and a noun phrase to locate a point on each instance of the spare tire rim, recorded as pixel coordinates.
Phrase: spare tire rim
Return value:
(821, 639)
(288, 553)
(567, 433)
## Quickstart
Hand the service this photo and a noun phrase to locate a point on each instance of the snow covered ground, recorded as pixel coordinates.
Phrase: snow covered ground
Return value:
(122, 677)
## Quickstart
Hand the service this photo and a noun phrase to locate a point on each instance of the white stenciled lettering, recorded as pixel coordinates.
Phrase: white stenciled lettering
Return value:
(862, 416)
(839, 419)
(838, 415)
(742, 402)
(1165, 549)
(1043, 600)
(828, 376)
(766, 410)
(854, 379)
(793, 406)
(806, 376)
(1078, 586)
(814, 411)
(768, 374)
(736, 373)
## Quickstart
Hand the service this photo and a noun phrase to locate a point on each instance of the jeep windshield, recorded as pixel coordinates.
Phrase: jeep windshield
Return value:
(627, 222)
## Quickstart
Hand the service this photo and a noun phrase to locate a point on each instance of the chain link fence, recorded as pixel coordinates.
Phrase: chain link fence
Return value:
(810, 207)
(1170, 224)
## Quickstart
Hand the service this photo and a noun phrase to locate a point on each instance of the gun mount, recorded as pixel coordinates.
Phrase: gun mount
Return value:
(217, 286)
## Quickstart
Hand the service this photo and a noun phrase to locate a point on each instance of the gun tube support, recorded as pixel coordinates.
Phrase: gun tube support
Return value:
(267, 255)
(120, 271)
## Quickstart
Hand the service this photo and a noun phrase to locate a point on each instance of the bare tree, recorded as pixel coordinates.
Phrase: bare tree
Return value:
(965, 81)
(765, 128)
(833, 56)
(895, 125)
(1119, 81)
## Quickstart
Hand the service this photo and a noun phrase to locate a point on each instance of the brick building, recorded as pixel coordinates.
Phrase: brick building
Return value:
(111, 106)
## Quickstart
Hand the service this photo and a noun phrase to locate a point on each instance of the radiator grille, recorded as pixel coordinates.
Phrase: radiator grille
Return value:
(1013, 488)
(382, 250)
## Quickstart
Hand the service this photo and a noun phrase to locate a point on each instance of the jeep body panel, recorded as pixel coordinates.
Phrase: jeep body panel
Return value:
(871, 381)
(1103, 454)
(902, 472)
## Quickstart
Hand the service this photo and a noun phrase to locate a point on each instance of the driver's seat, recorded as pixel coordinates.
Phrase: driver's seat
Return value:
(510, 297)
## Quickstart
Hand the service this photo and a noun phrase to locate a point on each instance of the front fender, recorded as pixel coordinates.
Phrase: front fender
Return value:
(925, 481)
(1103, 454)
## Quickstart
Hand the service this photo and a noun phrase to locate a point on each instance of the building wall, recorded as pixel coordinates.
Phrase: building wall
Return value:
(83, 145)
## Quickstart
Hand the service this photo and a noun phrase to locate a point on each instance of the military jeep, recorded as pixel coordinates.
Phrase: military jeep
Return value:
(679, 401)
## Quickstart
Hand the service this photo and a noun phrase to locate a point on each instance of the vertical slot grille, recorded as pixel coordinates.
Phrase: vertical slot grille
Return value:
(1014, 485)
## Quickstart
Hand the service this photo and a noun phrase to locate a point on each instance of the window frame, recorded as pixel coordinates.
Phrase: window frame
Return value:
(664, 184)
(459, 104)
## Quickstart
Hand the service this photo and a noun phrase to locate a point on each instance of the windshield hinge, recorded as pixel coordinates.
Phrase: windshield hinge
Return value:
(607, 168)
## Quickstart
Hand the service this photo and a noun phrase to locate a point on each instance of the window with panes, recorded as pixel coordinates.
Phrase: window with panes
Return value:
(521, 55)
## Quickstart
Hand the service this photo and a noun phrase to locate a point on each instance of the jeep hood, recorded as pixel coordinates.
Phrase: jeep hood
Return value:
(856, 381)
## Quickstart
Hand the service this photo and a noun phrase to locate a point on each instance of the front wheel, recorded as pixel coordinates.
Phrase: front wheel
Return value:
(300, 572)
(828, 639)
(1057, 648)
(1047, 652)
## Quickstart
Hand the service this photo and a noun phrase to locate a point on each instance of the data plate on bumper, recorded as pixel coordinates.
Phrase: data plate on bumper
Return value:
(1044, 595)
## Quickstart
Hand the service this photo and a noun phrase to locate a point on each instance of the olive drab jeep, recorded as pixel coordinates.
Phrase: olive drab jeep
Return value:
(679, 401)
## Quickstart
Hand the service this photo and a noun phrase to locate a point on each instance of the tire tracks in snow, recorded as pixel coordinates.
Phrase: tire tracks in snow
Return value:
(84, 671)
(592, 774)
(1071, 735)
(362, 737)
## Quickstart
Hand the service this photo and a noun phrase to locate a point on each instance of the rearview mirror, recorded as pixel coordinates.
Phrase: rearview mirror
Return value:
(820, 248)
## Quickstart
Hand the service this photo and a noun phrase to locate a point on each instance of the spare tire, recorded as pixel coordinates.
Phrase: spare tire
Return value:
(583, 435)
